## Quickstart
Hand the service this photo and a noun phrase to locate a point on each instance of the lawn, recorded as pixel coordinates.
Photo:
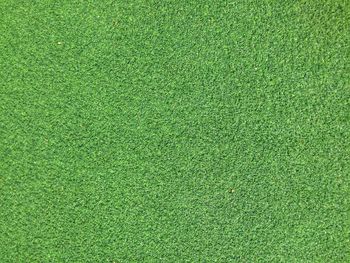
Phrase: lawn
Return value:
(175, 131)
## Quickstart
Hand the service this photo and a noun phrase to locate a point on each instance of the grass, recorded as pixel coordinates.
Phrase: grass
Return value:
(174, 131)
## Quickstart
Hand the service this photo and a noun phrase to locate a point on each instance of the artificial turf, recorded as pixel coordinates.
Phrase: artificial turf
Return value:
(174, 131)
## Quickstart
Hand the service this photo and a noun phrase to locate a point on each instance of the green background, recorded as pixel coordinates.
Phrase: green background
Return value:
(174, 131)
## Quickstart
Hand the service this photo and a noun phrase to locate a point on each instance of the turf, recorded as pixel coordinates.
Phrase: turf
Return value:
(174, 131)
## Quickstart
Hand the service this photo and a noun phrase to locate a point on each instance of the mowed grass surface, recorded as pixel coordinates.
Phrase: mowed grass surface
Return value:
(174, 131)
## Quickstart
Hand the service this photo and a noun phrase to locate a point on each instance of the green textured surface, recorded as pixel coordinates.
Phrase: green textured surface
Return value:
(174, 131)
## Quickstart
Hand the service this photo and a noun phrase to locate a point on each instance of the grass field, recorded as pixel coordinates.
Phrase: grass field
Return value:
(175, 131)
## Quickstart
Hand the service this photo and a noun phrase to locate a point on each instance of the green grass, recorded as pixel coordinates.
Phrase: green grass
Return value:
(174, 131)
